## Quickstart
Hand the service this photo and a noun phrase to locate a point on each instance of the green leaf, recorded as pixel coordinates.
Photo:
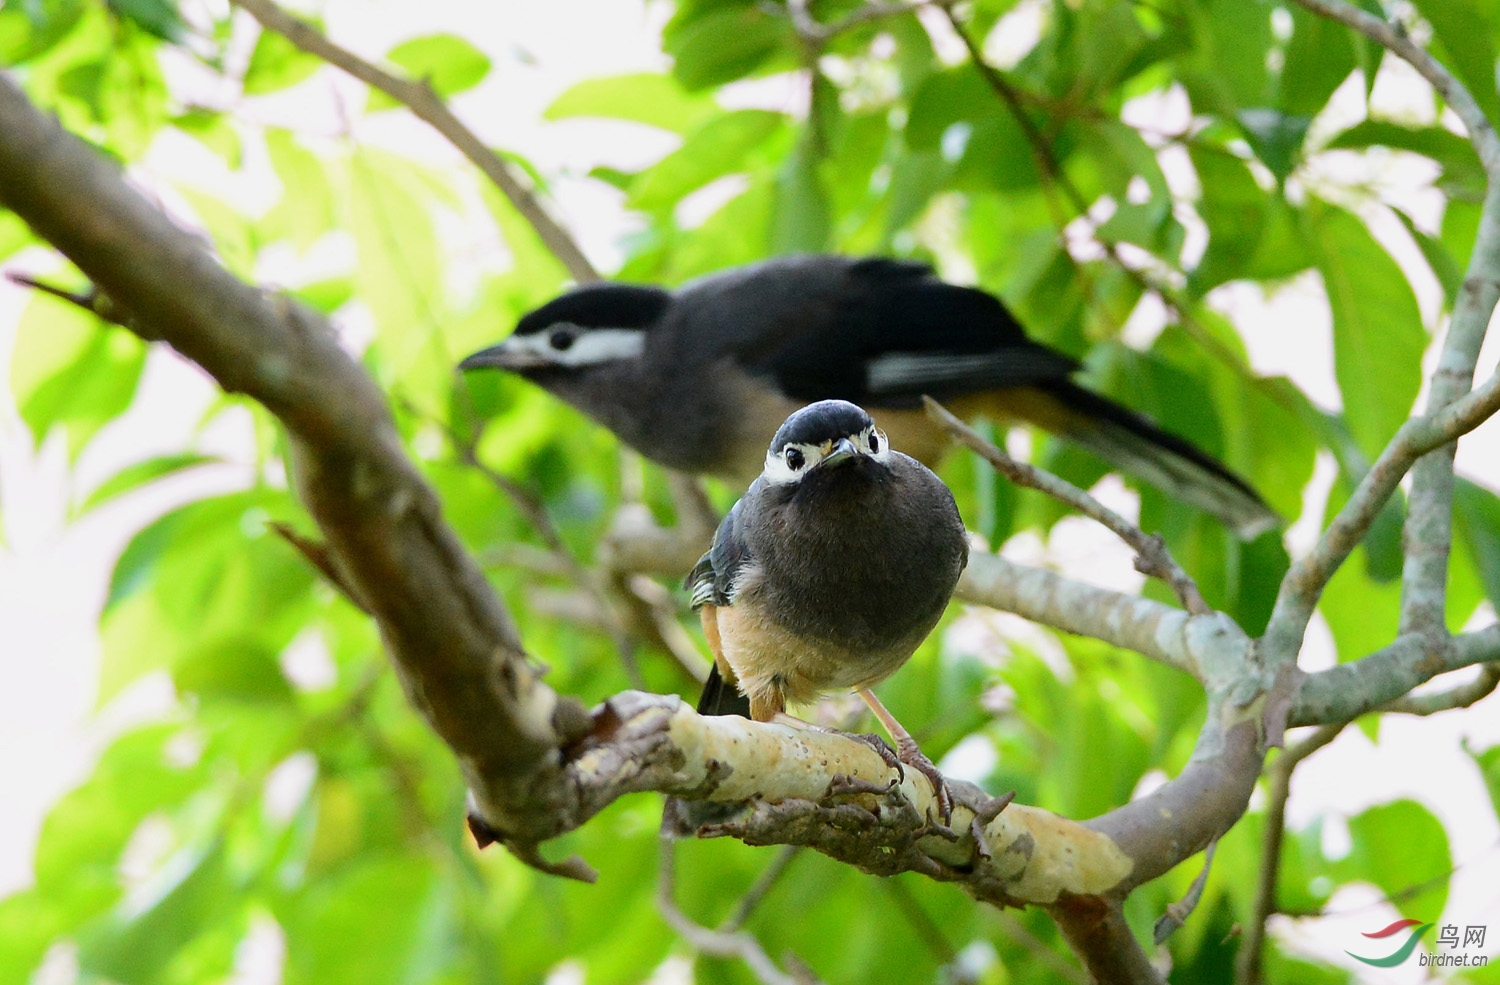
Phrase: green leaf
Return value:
(1488, 762)
(1467, 45)
(1318, 59)
(276, 63)
(1276, 137)
(14, 234)
(1403, 850)
(1476, 516)
(1438, 258)
(720, 147)
(1454, 153)
(156, 17)
(214, 131)
(69, 369)
(305, 212)
(141, 473)
(1378, 338)
(383, 920)
(646, 97)
(31, 29)
(724, 45)
(445, 62)
(801, 222)
(135, 944)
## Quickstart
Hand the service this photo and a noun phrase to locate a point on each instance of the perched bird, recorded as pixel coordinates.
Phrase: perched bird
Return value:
(826, 575)
(698, 379)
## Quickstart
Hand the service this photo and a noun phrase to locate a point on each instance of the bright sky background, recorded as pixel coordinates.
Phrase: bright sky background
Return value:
(53, 573)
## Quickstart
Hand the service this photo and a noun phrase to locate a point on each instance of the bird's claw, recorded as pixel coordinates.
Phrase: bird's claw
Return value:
(916, 760)
(883, 750)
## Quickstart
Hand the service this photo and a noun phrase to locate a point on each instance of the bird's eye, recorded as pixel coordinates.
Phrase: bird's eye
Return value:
(794, 458)
(874, 441)
(562, 339)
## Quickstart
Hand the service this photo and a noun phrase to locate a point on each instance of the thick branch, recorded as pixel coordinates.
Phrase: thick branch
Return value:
(428, 107)
(452, 641)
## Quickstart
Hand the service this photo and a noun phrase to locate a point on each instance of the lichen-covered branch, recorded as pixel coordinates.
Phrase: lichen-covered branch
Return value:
(1372, 682)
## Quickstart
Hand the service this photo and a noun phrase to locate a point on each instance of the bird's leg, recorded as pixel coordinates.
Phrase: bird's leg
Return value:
(908, 753)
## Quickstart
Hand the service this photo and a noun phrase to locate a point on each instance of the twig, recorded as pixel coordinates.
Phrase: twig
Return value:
(1398, 41)
(1305, 580)
(815, 36)
(428, 107)
(1248, 963)
(1061, 967)
(758, 889)
(1178, 912)
(718, 943)
(1152, 556)
(1459, 696)
(535, 511)
(664, 629)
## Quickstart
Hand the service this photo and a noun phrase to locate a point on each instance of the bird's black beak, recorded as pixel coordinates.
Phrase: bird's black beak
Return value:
(843, 451)
(502, 355)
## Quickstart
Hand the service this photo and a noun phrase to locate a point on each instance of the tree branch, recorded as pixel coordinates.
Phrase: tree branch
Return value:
(428, 107)
(454, 646)
(1151, 554)
(1248, 961)
(1341, 693)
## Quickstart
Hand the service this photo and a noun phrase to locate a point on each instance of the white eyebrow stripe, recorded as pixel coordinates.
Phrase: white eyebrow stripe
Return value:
(591, 346)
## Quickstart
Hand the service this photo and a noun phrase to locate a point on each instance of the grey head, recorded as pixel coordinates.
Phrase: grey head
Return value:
(594, 327)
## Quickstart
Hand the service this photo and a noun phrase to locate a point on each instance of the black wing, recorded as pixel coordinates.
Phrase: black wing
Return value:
(882, 332)
(712, 579)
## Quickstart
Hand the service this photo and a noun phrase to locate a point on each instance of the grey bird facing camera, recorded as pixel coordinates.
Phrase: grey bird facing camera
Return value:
(699, 379)
(828, 573)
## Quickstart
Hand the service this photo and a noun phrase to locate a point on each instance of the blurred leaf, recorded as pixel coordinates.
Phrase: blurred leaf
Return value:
(132, 477)
(1318, 59)
(214, 131)
(1448, 274)
(1378, 338)
(382, 920)
(1276, 137)
(723, 45)
(275, 64)
(136, 942)
(645, 97)
(69, 369)
(719, 147)
(445, 62)
(1466, 42)
(1476, 517)
(1488, 761)
(31, 29)
(1401, 848)
(156, 17)
(1459, 161)
(306, 210)
(801, 223)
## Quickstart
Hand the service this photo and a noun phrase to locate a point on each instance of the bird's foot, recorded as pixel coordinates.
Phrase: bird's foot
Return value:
(882, 749)
(914, 757)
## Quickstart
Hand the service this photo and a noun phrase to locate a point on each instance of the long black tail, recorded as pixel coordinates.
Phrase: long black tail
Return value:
(1132, 442)
(720, 697)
